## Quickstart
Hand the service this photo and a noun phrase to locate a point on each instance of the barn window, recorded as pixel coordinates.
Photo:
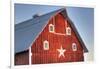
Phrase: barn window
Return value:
(51, 28)
(46, 45)
(68, 31)
(74, 47)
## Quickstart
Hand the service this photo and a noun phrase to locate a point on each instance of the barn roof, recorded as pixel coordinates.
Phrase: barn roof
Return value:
(26, 32)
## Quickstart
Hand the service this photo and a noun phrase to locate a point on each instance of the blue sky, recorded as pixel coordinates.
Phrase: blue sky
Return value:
(83, 19)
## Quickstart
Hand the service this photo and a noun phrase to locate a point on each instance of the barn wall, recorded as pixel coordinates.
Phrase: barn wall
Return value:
(22, 58)
(39, 55)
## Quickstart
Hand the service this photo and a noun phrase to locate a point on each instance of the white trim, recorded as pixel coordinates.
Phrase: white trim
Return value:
(67, 30)
(52, 27)
(30, 56)
(44, 42)
(59, 34)
(74, 47)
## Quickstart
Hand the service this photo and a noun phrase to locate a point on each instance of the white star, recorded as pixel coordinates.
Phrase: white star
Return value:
(61, 52)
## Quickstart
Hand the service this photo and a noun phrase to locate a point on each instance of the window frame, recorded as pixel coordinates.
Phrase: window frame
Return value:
(67, 30)
(74, 46)
(53, 28)
(44, 45)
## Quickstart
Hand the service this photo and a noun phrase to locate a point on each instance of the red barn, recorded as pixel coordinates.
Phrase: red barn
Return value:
(49, 38)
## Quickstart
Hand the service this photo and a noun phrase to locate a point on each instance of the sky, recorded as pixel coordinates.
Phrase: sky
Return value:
(82, 17)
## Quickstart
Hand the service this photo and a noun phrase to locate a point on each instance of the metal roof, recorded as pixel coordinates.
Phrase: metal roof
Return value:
(27, 31)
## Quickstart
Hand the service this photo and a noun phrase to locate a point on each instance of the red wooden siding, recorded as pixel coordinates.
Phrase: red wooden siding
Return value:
(39, 55)
(22, 58)
(60, 24)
